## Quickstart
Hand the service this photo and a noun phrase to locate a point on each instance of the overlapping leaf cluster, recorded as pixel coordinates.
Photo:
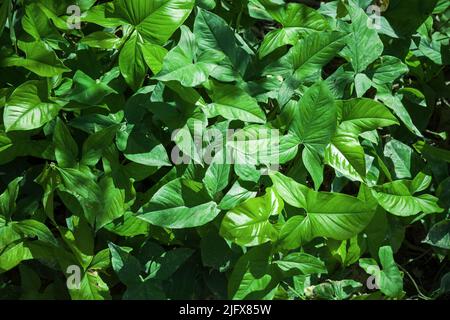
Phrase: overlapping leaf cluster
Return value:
(359, 207)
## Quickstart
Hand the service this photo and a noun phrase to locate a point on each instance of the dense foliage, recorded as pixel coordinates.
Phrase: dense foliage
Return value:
(351, 201)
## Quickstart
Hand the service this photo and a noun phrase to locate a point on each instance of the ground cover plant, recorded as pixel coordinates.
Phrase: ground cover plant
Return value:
(218, 149)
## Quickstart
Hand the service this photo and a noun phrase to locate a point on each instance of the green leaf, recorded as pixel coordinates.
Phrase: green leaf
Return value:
(310, 54)
(13, 255)
(315, 118)
(251, 277)
(439, 235)
(398, 198)
(361, 115)
(178, 206)
(334, 215)
(88, 91)
(394, 102)
(432, 152)
(183, 63)
(297, 20)
(213, 32)
(5, 11)
(248, 224)
(233, 103)
(406, 17)
(92, 287)
(33, 228)
(164, 266)
(84, 189)
(139, 145)
(153, 55)
(346, 155)
(362, 84)
(313, 164)
(236, 195)
(257, 145)
(389, 279)
(216, 177)
(66, 148)
(8, 199)
(113, 202)
(389, 69)
(28, 107)
(131, 62)
(304, 61)
(40, 59)
(300, 262)
(157, 19)
(364, 45)
(126, 266)
(335, 289)
(401, 156)
(96, 143)
(102, 40)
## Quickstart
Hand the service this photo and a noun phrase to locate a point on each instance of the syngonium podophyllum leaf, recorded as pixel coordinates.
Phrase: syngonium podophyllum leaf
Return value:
(217, 176)
(297, 20)
(126, 266)
(402, 157)
(364, 45)
(102, 40)
(213, 32)
(439, 235)
(34, 228)
(66, 148)
(154, 56)
(333, 215)
(142, 272)
(96, 143)
(185, 64)
(40, 59)
(92, 287)
(406, 17)
(248, 224)
(307, 57)
(101, 203)
(5, 10)
(29, 108)
(397, 197)
(90, 114)
(388, 70)
(8, 199)
(140, 146)
(233, 103)
(179, 205)
(36, 23)
(304, 61)
(14, 254)
(237, 194)
(252, 276)
(131, 62)
(334, 289)
(16, 244)
(155, 20)
(257, 145)
(301, 263)
(389, 279)
(431, 152)
(315, 117)
(344, 153)
(101, 15)
(87, 90)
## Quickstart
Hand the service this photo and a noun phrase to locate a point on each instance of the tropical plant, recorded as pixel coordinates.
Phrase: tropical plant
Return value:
(114, 182)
